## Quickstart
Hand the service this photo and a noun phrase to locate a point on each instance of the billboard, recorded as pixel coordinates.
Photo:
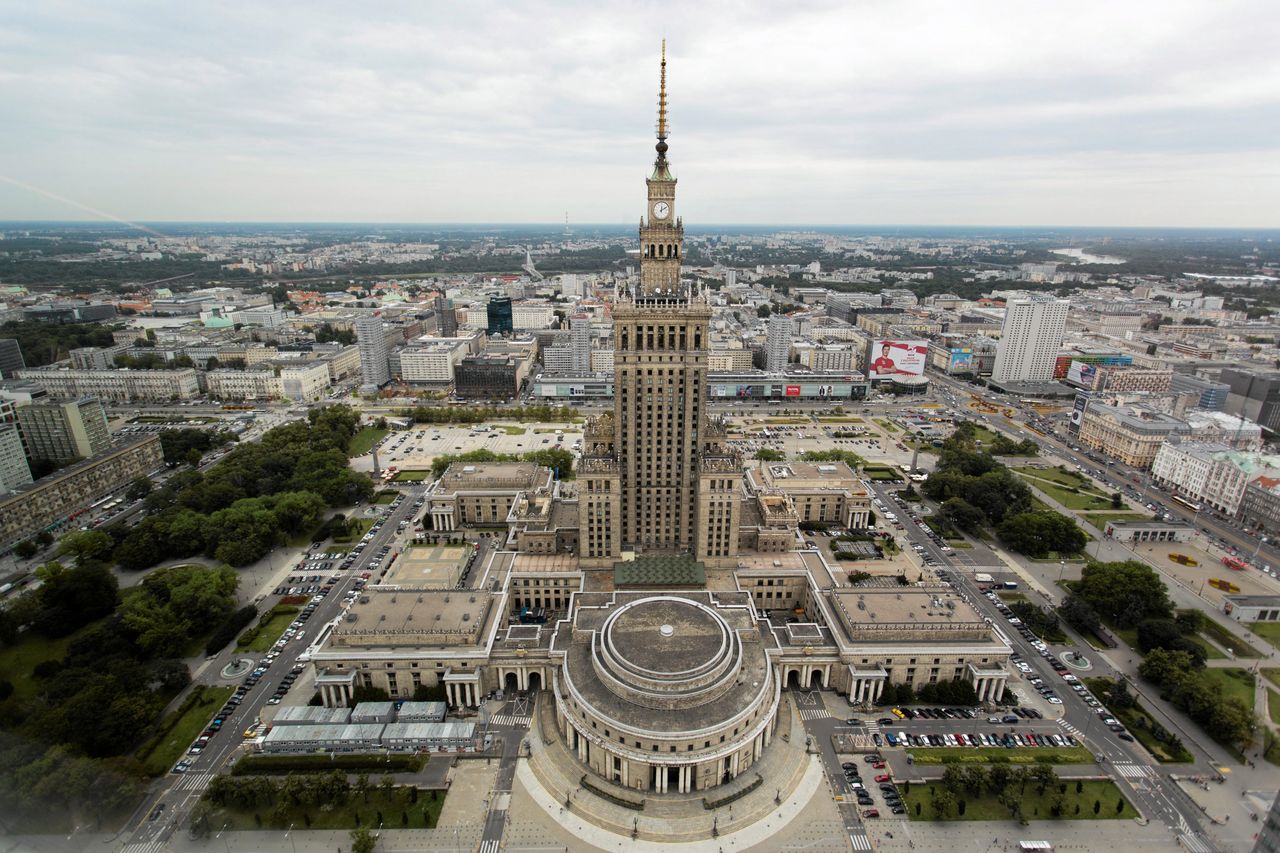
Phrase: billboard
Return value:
(793, 390)
(897, 358)
(1082, 373)
(961, 360)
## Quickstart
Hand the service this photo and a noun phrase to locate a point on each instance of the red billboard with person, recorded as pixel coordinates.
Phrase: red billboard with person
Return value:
(897, 358)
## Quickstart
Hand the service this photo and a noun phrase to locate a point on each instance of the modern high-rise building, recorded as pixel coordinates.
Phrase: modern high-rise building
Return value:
(14, 470)
(500, 316)
(1253, 394)
(11, 360)
(660, 478)
(375, 368)
(63, 431)
(777, 348)
(1030, 339)
(446, 317)
(580, 343)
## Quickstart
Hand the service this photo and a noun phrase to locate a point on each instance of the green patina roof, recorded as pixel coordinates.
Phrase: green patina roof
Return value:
(660, 570)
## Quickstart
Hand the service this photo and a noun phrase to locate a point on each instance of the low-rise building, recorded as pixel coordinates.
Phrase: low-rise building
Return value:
(1131, 434)
(480, 494)
(1212, 474)
(1149, 531)
(820, 491)
(1260, 505)
(1252, 608)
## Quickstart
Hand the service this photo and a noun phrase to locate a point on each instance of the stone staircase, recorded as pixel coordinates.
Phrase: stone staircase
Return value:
(669, 817)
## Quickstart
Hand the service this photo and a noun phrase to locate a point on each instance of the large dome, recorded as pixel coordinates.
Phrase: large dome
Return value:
(667, 652)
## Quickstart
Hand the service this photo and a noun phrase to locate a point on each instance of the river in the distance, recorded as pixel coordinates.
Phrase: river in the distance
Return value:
(1085, 258)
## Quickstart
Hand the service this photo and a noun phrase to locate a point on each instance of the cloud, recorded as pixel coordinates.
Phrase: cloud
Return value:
(1140, 113)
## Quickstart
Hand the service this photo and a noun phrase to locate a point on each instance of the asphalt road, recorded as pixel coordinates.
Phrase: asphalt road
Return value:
(1140, 778)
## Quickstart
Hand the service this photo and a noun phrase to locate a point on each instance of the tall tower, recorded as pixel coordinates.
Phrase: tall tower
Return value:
(1030, 339)
(658, 477)
(375, 366)
(778, 343)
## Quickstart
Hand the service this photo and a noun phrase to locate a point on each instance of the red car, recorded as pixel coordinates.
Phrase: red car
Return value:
(878, 765)
(871, 813)
(883, 777)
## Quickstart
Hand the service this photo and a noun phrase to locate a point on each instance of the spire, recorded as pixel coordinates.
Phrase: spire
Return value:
(662, 108)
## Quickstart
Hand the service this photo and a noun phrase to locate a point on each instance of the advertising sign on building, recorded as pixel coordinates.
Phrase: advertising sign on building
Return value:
(1082, 374)
(793, 390)
(897, 358)
(961, 360)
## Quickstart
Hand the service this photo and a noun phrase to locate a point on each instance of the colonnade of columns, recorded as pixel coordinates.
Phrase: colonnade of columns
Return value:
(335, 695)
(463, 693)
(442, 519)
(866, 689)
(989, 688)
(658, 777)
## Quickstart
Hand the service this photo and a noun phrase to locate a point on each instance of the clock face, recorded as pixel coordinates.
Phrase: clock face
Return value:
(661, 210)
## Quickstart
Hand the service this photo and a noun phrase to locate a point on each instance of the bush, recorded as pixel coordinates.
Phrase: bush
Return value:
(230, 627)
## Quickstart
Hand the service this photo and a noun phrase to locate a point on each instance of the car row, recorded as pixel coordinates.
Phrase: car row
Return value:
(981, 739)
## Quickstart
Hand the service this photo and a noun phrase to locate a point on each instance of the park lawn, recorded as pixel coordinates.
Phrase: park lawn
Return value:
(386, 496)
(1273, 675)
(1269, 631)
(1101, 519)
(359, 527)
(1273, 705)
(1071, 500)
(512, 430)
(1056, 475)
(364, 440)
(983, 434)
(267, 632)
(188, 726)
(886, 425)
(397, 813)
(17, 661)
(840, 420)
(988, 754)
(1232, 682)
(412, 475)
(787, 420)
(1035, 806)
(1213, 630)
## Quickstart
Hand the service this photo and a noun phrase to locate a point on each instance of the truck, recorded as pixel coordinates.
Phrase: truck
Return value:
(1233, 562)
(1010, 584)
(983, 577)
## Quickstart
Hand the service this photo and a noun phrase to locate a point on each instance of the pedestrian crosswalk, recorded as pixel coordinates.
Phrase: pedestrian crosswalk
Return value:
(511, 720)
(490, 845)
(194, 782)
(1133, 771)
(1194, 843)
(149, 847)
(859, 842)
(1070, 728)
(814, 713)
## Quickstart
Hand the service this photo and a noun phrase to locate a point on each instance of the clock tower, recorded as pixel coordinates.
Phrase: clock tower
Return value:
(661, 231)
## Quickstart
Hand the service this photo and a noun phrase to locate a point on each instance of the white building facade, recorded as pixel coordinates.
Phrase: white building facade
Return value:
(1030, 339)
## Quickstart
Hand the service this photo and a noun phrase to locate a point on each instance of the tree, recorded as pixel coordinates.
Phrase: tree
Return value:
(943, 801)
(138, 489)
(1118, 697)
(26, 549)
(1044, 776)
(1079, 614)
(363, 841)
(1117, 500)
(762, 311)
(767, 454)
(963, 514)
(1165, 666)
(1041, 532)
(953, 778)
(83, 545)
(1157, 634)
(1124, 592)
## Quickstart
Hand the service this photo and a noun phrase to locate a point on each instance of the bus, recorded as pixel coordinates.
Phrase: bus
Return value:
(1178, 499)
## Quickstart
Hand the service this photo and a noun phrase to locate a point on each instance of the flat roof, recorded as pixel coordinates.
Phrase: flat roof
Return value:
(413, 617)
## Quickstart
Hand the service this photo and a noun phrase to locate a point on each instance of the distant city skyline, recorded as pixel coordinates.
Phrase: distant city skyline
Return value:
(987, 114)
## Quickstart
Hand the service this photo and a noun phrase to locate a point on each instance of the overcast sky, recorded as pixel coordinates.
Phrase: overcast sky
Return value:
(1125, 112)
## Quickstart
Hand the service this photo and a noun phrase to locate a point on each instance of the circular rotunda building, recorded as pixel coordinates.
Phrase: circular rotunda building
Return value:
(665, 692)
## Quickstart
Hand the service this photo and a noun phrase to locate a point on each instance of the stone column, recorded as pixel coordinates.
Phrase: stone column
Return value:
(879, 690)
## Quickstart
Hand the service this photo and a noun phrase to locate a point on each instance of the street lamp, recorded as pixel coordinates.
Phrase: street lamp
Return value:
(289, 835)
(220, 833)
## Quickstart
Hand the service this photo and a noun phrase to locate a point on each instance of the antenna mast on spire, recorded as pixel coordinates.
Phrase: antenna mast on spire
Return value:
(662, 107)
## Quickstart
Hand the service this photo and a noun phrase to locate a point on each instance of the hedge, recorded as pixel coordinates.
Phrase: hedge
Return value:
(230, 627)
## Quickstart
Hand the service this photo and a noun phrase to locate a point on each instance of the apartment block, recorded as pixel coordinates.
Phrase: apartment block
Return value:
(62, 431)
(116, 385)
(1131, 434)
(49, 503)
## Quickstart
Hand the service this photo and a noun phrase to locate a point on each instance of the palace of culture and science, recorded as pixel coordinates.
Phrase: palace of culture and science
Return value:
(680, 599)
